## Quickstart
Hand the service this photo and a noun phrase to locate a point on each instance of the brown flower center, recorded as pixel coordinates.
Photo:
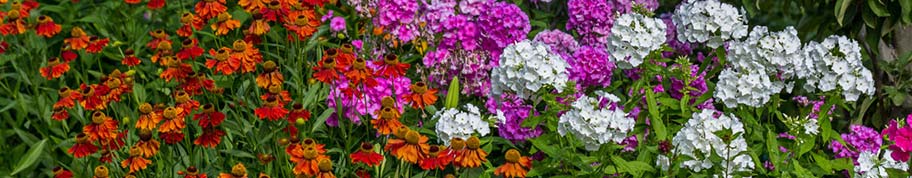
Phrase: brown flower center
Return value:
(457, 143)
(223, 54)
(297, 106)
(473, 143)
(186, 18)
(325, 165)
(419, 88)
(401, 131)
(391, 59)
(44, 19)
(512, 156)
(329, 63)
(367, 147)
(412, 137)
(348, 48)
(208, 108)
(387, 102)
(360, 64)
(331, 52)
(76, 32)
(301, 20)
(170, 113)
(98, 117)
(310, 153)
(101, 171)
(145, 135)
(181, 97)
(434, 150)
(224, 16)
(129, 52)
(269, 66)
(239, 170)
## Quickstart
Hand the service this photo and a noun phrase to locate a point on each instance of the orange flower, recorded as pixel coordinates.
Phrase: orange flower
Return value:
(270, 76)
(46, 27)
(272, 109)
(148, 146)
(388, 120)
(184, 102)
(437, 157)
(14, 25)
(361, 74)
(191, 172)
(54, 69)
(78, 39)
(297, 112)
(97, 44)
(303, 23)
(259, 26)
(136, 162)
(158, 36)
(209, 117)
(175, 70)
(148, 119)
(155, 4)
(59, 172)
(251, 5)
(225, 23)
(211, 137)
(196, 82)
(306, 164)
(190, 23)
(366, 155)
(471, 157)
(245, 55)
(67, 98)
(421, 96)
(60, 114)
(238, 171)
(325, 166)
(94, 97)
(326, 70)
(132, 1)
(220, 62)
(83, 147)
(415, 145)
(274, 10)
(130, 58)
(190, 49)
(173, 120)
(208, 9)
(390, 66)
(101, 128)
(515, 166)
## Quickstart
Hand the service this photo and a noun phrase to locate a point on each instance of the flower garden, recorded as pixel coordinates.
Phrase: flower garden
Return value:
(455, 88)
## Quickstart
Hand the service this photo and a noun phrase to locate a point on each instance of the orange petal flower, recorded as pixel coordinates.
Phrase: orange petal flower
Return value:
(209, 117)
(220, 62)
(211, 137)
(130, 58)
(516, 165)
(388, 120)
(172, 137)
(391, 67)
(270, 76)
(173, 120)
(245, 55)
(259, 26)
(78, 40)
(225, 24)
(191, 172)
(415, 145)
(13, 27)
(251, 5)
(302, 22)
(148, 146)
(472, 156)
(208, 9)
(272, 110)
(421, 96)
(60, 114)
(190, 23)
(96, 44)
(158, 36)
(437, 157)
(325, 166)
(101, 128)
(136, 162)
(190, 50)
(67, 98)
(326, 71)
(366, 155)
(361, 74)
(83, 147)
(54, 69)
(132, 1)
(46, 27)
(148, 119)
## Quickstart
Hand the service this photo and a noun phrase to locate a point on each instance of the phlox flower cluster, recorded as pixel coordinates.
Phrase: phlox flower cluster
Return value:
(698, 141)
(453, 123)
(633, 37)
(596, 121)
(836, 62)
(709, 21)
(525, 68)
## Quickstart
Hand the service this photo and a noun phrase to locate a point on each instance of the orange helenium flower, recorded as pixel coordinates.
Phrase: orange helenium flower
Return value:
(130, 58)
(208, 9)
(190, 23)
(148, 119)
(259, 25)
(209, 117)
(46, 27)
(173, 120)
(415, 145)
(158, 36)
(421, 96)
(54, 69)
(516, 165)
(303, 23)
(225, 23)
(189, 50)
(361, 74)
(270, 76)
(272, 109)
(468, 153)
(155, 4)
(78, 39)
(101, 128)
(325, 166)
(83, 147)
(366, 155)
(191, 172)
(136, 162)
(245, 55)
(210, 138)
(437, 157)
(59, 172)
(251, 5)
(388, 120)
(148, 146)
(220, 62)
(391, 67)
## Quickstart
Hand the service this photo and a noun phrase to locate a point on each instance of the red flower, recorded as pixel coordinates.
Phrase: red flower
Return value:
(209, 117)
(3, 47)
(83, 147)
(191, 172)
(190, 23)
(78, 40)
(14, 27)
(67, 98)
(297, 112)
(172, 137)
(326, 71)
(315, 2)
(272, 110)
(156, 4)
(220, 63)
(101, 128)
(94, 97)
(273, 11)
(361, 173)
(130, 58)
(207, 9)
(211, 137)
(113, 144)
(54, 69)
(366, 155)
(158, 36)
(437, 157)
(69, 55)
(60, 114)
(196, 82)
(390, 66)
(59, 172)
(97, 44)
(46, 27)
(190, 50)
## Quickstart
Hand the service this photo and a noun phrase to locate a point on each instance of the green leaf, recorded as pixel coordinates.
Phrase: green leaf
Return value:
(840, 9)
(823, 162)
(31, 157)
(878, 8)
(635, 168)
(532, 121)
(322, 119)
(657, 124)
(452, 98)
(238, 153)
(906, 7)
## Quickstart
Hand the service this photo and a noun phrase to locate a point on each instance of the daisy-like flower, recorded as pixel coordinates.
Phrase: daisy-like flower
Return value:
(468, 153)
(185, 102)
(54, 69)
(14, 24)
(245, 56)
(189, 50)
(148, 119)
(209, 117)
(633, 37)
(452, 123)
(274, 11)
(156, 4)
(60, 172)
(326, 71)
(366, 155)
(709, 21)
(436, 157)
(272, 109)
(173, 124)
(210, 138)
(190, 23)
(421, 96)
(46, 27)
(83, 146)
(302, 22)
(298, 114)
(67, 98)
(526, 67)
(94, 97)
(415, 144)
(325, 166)
(78, 39)
(191, 172)
(391, 67)
(96, 44)
(359, 73)
(224, 24)
(706, 136)
(387, 121)
(130, 58)
(147, 145)
(208, 9)
(306, 159)
(158, 36)
(259, 26)
(516, 165)
(596, 121)
(270, 76)
(60, 114)
(220, 63)
(101, 128)
(136, 161)
(237, 171)
(251, 5)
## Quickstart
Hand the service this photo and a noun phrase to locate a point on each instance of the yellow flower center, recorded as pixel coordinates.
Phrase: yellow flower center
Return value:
(157, 33)
(301, 20)
(208, 108)
(82, 138)
(64, 92)
(222, 54)
(457, 143)
(164, 46)
(310, 153)
(145, 135)
(170, 113)
(433, 151)
(367, 147)
(387, 102)
(239, 170)
(239, 45)
(419, 87)
(391, 59)
(348, 48)
(329, 63)
(473, 142)
(101, 171)
(145, 108)
(412, 137)
(224, 16)
(98, 117)
(135, 151)
(13, 14)
(359, 64)
(275, 89)
(187, 17)
(387, 113)
(45, 19)
(401, 131)
(181, 97)
(325, 165)
(512, 156)
(77, 32)
(269, 66)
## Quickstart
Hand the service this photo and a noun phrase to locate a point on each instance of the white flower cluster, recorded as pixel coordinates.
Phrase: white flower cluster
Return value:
(748, 87)
(698, 140)
(595, 124)
(775, 53)
(872, 165)
(527, 66)
(709, 21)
(633, 37)
(836, 62)
(453, 123)
(804, 125)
